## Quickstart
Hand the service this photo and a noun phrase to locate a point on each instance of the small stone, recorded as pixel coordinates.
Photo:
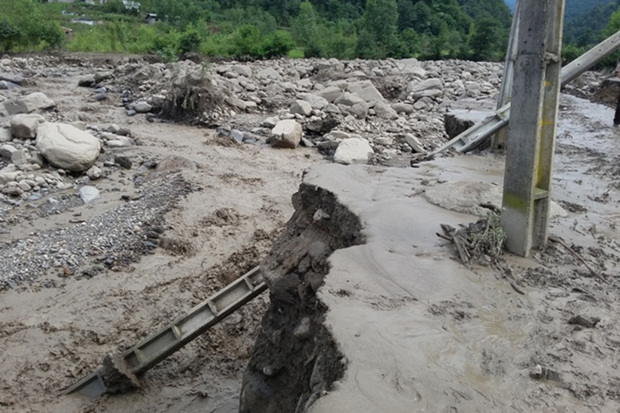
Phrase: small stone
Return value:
(123, 161)
(89, 194)
(100, 76)
(142, 107)
(384, 141)
(20, 157)
(286, 134)
(12, 190)
(24, 186)
(6, 151)
(303, 331)
(25, 125)
(94, 172)
(301, 107)
(414, 143)
(270, 122)
(81, 125)
(5, 135)
(87, 81)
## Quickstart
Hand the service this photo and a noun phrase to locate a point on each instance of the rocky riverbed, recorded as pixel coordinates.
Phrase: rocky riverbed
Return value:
(132, 190)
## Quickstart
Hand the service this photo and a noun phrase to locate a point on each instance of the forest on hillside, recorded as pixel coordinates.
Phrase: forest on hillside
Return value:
(251, 29)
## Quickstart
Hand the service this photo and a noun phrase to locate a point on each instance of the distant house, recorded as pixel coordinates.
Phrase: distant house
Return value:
(151, 18)
(131, 5)
(80, 1)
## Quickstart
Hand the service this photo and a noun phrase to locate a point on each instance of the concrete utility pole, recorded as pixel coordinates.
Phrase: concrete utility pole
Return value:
(532, 127)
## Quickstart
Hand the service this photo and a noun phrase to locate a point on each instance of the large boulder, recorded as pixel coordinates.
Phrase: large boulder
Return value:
(458, 121)
(385, 111)
(330, 93)
(286, 134)
(426, 88)
(367, 91)
(25, 125)
(353, 150)
(301, 107)
(29, 103)
(316, 101)
(67, 147)
(349, 99)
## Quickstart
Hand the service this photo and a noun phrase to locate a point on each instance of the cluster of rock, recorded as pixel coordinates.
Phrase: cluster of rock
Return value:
(353, 111)
(383, 109)
(36, 155)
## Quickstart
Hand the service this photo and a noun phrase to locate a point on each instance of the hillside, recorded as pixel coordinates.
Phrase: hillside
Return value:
(373, 29)
(583, 26)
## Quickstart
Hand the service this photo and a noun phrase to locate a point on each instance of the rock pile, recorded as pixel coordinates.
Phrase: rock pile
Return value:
(396, 106)
(383, 110)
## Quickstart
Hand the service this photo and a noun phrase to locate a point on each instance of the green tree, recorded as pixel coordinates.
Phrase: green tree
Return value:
(486, 41)
(305, 25)
(613, 25)
(9, 35)
(378, 36)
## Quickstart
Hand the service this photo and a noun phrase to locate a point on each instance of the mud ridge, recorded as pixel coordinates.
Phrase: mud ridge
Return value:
(295, 358)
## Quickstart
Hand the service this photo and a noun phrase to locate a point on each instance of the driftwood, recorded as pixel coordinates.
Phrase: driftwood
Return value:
(579, 257)
(459, 238)
(483, 239)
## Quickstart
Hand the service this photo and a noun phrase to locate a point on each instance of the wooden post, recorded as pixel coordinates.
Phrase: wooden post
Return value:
(532, 127)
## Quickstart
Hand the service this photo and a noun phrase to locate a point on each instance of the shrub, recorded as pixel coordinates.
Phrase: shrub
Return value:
(277, 44)
(9, 35)
(189, 41)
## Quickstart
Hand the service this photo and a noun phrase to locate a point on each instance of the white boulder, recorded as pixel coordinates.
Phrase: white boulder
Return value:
(67, 147)
(301, 107)
(316, 101)
(286, 134)
(25, 125)
(353, 150)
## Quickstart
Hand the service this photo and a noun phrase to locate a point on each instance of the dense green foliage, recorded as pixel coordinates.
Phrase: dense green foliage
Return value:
(24, 27)
(588, 22)
(584, 29)
(375, 29)
(265, 28)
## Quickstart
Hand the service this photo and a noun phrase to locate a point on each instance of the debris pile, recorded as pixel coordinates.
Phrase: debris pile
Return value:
(480, 242)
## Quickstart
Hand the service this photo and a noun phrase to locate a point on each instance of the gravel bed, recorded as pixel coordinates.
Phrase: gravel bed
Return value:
(112, 240)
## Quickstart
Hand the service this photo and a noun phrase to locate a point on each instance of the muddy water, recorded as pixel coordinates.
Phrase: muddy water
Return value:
(421, 332)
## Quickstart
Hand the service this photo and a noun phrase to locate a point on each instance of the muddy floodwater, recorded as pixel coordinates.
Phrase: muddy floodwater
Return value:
(422, 332)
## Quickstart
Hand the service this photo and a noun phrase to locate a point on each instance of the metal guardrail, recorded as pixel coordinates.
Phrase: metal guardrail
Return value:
(155, 348)
(483, 129)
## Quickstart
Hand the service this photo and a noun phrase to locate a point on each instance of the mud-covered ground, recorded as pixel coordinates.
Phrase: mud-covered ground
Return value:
(212, 219)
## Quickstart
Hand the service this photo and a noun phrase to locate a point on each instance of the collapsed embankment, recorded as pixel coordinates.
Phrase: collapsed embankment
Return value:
(295, 358)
